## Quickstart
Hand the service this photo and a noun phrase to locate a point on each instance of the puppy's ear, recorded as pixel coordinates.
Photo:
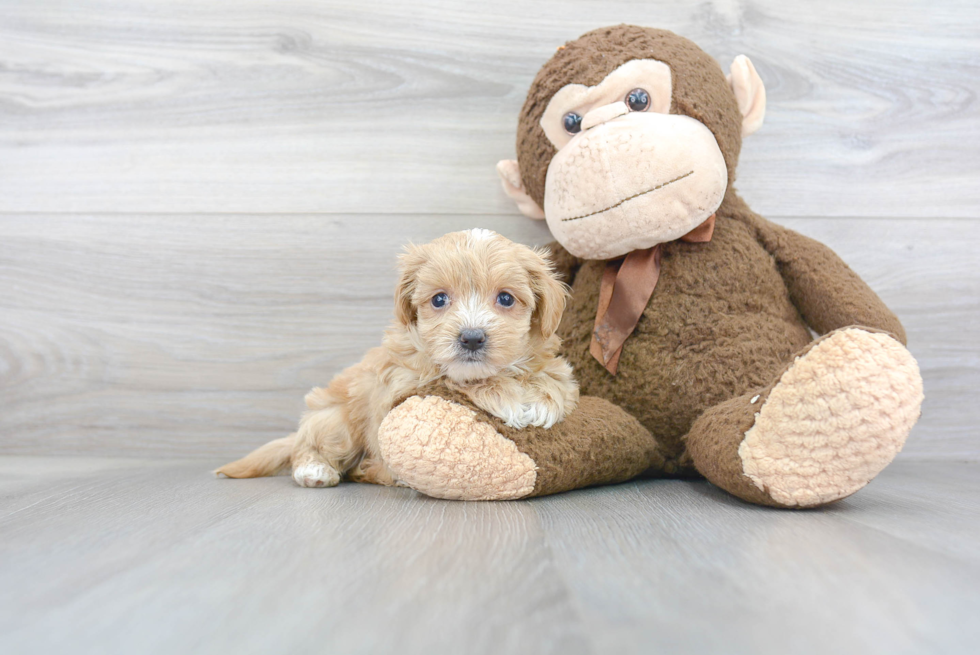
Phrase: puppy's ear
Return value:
(409, 263)
(549, 293)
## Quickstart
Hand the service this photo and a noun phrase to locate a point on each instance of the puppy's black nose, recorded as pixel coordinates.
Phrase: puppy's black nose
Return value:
(472, 339)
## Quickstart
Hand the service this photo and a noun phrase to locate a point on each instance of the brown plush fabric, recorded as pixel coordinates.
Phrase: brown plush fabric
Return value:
(596, 444)
(725, 318)
(827, 292)
(827, 425)
(713, 443)
(699, 91)
(719, 324)
(714, 439)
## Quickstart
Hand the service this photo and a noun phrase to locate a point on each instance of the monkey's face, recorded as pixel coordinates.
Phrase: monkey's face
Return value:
(627, 174)
(629, 137)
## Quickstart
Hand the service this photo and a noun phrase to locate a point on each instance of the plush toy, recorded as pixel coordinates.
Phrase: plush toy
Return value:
(690, 318)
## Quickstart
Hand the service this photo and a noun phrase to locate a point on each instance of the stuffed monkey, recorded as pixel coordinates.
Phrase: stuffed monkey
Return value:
(691, 319)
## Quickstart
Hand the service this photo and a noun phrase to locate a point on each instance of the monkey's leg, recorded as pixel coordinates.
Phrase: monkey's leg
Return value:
(823, 429)
(443, 446)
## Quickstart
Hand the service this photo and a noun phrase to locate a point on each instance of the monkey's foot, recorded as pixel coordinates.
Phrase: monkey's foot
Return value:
(834, 419)
(440, 448)
(443, 446)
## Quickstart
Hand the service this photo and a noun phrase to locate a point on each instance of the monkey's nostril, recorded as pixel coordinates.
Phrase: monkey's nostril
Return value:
(472, 339)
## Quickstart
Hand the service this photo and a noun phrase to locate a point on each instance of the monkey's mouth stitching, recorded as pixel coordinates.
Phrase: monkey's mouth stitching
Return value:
(635, 195)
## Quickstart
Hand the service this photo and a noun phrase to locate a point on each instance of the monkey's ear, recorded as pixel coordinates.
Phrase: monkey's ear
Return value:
(749, 92)
(510, 176)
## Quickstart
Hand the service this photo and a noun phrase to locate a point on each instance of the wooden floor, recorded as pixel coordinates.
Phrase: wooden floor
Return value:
(129, 556)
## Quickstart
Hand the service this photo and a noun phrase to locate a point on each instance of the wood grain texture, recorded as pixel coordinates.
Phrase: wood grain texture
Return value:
(200, 202)
(181, 336)
(123, 556)
(392, 107)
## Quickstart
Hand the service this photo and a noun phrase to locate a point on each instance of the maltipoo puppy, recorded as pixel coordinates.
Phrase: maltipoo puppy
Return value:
(473, 310)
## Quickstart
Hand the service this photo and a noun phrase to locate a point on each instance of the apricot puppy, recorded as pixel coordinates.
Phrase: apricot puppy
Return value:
(473, 310)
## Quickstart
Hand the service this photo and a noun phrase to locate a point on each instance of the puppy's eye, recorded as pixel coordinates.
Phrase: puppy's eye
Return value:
(440, 300)
(573, 122)
(505, 299)
(638, 100)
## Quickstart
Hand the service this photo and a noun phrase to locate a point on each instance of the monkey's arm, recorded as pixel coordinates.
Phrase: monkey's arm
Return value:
(565, 263)
(828, 294)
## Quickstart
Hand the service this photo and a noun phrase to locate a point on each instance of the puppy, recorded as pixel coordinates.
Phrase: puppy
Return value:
(472, 310)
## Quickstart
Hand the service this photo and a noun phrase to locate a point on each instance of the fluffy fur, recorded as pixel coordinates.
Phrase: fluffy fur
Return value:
(515, 375)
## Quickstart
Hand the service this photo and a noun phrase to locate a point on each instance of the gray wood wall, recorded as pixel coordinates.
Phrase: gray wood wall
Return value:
(200, 201)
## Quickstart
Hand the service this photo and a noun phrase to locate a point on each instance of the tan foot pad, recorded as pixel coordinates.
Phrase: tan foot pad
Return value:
(442, 449)
(834, 420)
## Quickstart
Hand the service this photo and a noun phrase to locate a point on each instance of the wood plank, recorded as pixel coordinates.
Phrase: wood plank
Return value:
(934, 495)
(261, 106)
(165, 559)
(189, 327)
(690, 569)
(159, 557)
(183, 336)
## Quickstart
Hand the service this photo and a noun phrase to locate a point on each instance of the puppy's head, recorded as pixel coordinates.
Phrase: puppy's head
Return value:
(479, 302)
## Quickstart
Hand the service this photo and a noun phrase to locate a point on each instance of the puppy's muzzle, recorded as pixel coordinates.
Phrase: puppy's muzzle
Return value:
(472, 339)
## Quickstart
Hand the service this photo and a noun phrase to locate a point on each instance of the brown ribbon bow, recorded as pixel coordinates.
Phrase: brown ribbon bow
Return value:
(627, 285)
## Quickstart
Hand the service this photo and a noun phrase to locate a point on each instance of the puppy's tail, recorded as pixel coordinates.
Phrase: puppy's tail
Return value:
(270, 459)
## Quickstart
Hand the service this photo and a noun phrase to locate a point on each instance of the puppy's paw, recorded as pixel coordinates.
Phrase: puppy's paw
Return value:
(542, 414)
(316, 474)
(515, 416)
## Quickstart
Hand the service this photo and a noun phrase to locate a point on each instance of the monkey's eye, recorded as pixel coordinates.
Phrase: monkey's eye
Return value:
(505, 299)
(440, 300)
(573, 123)
(638, 100)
